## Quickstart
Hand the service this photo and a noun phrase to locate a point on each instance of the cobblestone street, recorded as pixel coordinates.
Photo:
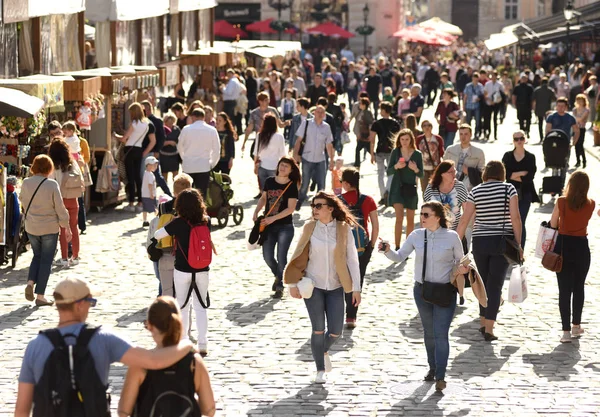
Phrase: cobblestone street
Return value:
(259, 348)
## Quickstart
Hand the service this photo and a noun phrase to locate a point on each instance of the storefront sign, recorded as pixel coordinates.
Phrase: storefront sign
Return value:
(238, 12)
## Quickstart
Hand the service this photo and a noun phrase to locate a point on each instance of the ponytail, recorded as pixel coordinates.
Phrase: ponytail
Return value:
(164, 314)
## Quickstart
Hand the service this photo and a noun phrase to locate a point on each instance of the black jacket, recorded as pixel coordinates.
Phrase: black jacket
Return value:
(159, 132)
(314, 93)
(526, 186)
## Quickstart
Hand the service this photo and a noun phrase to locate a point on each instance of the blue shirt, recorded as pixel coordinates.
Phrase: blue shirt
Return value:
(564, 122)
(471, 91)
(415, 103)
(105, 347)
(444, 250)
(317, 138)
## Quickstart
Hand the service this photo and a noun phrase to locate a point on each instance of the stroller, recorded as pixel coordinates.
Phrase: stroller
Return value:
(218, 200)
(17, 241)
(557, 151)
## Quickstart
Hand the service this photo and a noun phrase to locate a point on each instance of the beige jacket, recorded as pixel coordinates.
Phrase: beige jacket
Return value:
(458, 280)
(47, 211)
(294, 271)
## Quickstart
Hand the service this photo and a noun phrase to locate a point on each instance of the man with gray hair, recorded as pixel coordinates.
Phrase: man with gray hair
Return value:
(417, 101)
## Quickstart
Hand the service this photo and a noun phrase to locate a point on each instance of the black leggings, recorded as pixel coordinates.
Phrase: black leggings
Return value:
(571, 280)
(360, 145)
(492, 267)
(579, 151)
(363, 261)
(133, 166)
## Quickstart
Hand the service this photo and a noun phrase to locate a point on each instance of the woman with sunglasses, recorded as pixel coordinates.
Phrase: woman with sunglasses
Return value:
(405, 165)
(327, 256)
(187, 378)
(444, 251)
(520, 171)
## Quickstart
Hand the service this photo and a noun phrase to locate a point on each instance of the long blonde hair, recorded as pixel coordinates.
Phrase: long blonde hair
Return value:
(136, 112)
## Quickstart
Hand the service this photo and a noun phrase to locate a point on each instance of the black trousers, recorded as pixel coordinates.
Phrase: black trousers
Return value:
(222, 166)
(579, 151)
(363, 261)
(541, 126)
(360, 145)
(492, 267)
(524, 116)
(200, 181)
(571, 280)
(133, 166)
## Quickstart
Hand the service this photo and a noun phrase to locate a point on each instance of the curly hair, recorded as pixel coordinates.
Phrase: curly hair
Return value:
(60, 154)
(340, 211)
(190, 206)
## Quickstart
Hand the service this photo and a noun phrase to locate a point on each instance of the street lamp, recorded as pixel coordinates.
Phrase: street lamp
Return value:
(569, 12)
(366, 18)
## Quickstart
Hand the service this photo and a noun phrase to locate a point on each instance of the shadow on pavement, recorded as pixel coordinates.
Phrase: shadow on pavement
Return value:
(556, 364)
(345, 344)
(419, 403)
(413, 329)
(135, 317)
(132, 232)
(390, 273)
(12, 277)
(240, 234)
(245, 315)
(15, 317)
(308, 398)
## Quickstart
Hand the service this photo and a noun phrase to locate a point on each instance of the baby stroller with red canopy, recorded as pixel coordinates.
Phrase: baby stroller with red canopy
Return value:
(557, 150)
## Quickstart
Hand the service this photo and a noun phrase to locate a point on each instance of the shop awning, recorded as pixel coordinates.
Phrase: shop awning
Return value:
(422, 35)
(39, 8)
(330, 29)
(124, 10)
(501, 40)
(275, 47)
(18, 104)
(178, 6)
(45, 87)
(437, 23)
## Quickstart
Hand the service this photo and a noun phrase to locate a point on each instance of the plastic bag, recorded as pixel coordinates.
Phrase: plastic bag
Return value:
(517, 289)
(546, 240)
(345, 138)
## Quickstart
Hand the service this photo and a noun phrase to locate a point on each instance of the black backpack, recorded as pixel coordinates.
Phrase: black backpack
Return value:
(70, 385)
(169, 392)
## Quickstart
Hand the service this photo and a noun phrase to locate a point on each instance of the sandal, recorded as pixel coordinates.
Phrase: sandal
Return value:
(29, 292)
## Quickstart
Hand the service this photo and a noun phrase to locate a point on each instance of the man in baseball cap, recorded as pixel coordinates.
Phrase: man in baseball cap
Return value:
(73, 298)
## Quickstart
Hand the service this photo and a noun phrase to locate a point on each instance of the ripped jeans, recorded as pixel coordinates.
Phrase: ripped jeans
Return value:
(325, 305)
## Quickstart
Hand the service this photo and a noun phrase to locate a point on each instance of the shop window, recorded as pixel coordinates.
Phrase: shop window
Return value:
(511, 9)
(8, 51)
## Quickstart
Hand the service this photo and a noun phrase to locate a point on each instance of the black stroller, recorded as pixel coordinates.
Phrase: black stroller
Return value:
(556, 156)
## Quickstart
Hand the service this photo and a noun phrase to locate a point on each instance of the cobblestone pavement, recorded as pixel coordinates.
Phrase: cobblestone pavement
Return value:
(260, 360)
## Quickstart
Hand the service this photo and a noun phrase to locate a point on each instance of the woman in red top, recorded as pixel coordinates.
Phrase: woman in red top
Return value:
(447, 116)
(571, 216)
(364, 209)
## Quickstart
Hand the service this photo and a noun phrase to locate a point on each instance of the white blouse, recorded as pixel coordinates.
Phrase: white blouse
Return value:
(270, 156)
(321, 265)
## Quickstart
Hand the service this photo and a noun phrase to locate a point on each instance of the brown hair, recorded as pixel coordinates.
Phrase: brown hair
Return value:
(262, 96)
(60, 154)
(365, 102)
(411, 122)
(267, 130)
(136, 112)
(494, 170)
(42, 164)
(53, 125)
(164, 314)
(70, 125)
(466, 126)
(181, 182)
(563, 100)
(576, 190)
(198, 114)
(340, 211)
(439, 210)
(449, 91)
(295, 175)
(442, 168)
(406, 132)
(190, 206)
(228, 125)
(386, 106)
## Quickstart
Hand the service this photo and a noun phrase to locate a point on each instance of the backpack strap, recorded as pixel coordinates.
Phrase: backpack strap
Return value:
(86, 334)
(55, 337)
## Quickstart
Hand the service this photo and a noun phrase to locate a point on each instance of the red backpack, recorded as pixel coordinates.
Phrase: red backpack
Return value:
(199, 254)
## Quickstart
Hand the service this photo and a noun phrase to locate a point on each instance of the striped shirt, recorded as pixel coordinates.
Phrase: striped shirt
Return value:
(492, 212)
(452, 201)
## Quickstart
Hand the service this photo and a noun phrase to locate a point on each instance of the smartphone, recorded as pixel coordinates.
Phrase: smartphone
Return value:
(382, 246)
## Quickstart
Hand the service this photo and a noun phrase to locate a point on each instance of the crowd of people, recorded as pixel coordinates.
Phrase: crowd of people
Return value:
(468, 205)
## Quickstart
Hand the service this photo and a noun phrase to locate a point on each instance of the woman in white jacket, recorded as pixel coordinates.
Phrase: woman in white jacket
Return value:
(271, 148)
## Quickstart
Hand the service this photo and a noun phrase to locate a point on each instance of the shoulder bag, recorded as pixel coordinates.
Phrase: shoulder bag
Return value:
(256, 236)
(551, 260)
(32, 197)
(122, 155)
(509, 247)
(432, 292)
(301, 150)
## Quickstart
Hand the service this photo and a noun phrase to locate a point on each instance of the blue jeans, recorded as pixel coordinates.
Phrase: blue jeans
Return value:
(311, 171)
(157, 274)
(449, 139)
(476, 113)
(44, 248)
(352, 96)
(325, 304)
(436, 322)
(263, 174)
(282, 236)
(524, 205)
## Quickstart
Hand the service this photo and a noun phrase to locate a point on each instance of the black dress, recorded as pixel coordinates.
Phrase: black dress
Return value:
(169, 157)
(525, 188)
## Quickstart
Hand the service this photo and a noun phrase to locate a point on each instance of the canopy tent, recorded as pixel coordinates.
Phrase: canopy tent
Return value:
(267, 49)
(500, 40)
(330, 29)
(437, 23)
(19, 104)
(124, 10)
(178, 6)
(225, 29)
(440, 34)
(38, 8)
(264, 26)
(420, 35)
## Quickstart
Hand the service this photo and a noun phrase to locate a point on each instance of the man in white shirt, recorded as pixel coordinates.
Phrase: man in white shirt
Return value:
(231, 93)
(493, 91)
(318, 141)
(200, 149)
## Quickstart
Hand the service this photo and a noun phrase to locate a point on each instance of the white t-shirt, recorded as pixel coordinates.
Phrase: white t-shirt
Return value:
(74, 144)
(271, 154)
(148, 180)
(140, 129)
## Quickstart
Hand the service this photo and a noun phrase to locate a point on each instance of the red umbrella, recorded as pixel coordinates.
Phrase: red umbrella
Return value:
(439, 34)
(225, 29)
(264, 26)
(412, 34)
(330, 29)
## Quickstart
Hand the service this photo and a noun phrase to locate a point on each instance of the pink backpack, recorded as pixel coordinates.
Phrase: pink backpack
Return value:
(199, 254)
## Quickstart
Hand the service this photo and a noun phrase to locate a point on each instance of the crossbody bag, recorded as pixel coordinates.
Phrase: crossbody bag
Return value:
(303, 142)
(433, 292)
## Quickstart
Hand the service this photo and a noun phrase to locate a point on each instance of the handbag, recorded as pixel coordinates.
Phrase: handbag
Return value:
(551, 260)
(85, 171)
(509, 247)
(303, 142)
(408, 190)
(432, 292)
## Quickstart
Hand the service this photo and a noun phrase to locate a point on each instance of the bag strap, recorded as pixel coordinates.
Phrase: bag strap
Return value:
(278, 198)
(429, 151)
(305, 131)
(85, 335)
(55, 337)
(424, 256)
(32, 197)
(137, 141)
(505, 208)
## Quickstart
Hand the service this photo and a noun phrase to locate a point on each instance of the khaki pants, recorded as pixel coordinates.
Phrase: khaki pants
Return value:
(166, 266)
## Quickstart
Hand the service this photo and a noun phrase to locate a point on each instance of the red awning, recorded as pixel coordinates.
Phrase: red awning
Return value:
(225, 29)
(330, 29)
(264, 26)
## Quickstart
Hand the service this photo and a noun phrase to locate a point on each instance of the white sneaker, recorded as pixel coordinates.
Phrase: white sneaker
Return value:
(62, 262)
(320, 377)
(75, 261)
(566, 337)
(328, 366)
(577, 331)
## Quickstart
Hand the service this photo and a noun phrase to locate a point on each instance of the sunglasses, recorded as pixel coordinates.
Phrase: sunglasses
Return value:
(90, 300)
(318, 206)
(426, 215)
(519, 138)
